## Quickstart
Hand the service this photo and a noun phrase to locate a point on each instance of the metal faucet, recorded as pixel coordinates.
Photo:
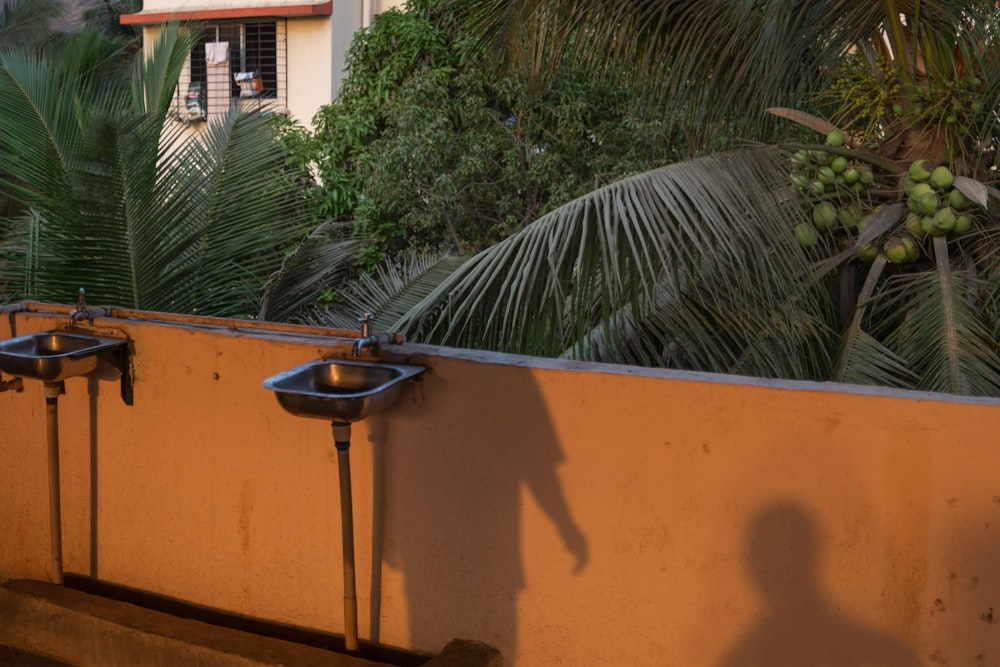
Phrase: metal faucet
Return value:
(367, 340)
(81, 312)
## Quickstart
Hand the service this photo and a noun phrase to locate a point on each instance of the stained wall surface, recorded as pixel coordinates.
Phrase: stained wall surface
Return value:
(565, 513)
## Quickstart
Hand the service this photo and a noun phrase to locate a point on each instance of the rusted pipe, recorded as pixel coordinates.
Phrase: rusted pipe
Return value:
(342, 439)
(52, 391)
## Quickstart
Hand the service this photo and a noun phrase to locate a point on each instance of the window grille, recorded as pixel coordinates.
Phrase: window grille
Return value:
(254, 46)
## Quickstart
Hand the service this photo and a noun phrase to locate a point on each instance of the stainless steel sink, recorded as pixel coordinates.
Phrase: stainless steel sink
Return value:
(54, 355)
(339, 390)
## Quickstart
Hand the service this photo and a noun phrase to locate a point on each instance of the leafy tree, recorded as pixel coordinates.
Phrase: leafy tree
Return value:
(429, 150)
(116, 199)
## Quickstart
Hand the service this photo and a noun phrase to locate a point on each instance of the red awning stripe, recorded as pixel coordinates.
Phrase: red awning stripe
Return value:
(151, 18)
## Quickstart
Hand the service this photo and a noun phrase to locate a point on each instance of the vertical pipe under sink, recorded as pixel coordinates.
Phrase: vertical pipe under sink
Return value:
(52, 391)
(342, 440)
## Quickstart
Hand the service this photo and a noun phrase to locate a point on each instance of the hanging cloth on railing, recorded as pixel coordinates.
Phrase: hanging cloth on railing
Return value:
(216, 53)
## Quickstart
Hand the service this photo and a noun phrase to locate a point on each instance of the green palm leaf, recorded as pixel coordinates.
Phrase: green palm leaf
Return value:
(863, 359)
(705, 241)
(389, 293)
(718, 63)
(326, 257)
(932, 321)
(128, 208)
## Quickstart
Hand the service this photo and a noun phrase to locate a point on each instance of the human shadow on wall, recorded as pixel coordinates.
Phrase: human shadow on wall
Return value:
(456, 523)
(800, 628)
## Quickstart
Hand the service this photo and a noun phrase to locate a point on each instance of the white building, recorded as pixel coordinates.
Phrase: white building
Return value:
(279, 55)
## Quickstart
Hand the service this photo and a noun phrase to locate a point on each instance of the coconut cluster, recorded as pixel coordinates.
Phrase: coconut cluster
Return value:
(836, 189)
(935, 206)
(838, 193)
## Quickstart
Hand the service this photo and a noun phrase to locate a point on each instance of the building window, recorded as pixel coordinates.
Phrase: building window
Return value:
(225, 50)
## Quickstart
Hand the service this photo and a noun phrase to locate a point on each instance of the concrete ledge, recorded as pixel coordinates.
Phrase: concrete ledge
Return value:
(53, 625)
(86, 630)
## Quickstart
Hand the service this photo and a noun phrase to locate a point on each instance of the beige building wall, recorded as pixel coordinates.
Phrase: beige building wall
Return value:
(311, 49)
(565, 513)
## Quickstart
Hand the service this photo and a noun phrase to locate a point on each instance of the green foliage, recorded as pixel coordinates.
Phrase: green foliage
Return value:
(27, 23)
(117, 200)
(429, 149)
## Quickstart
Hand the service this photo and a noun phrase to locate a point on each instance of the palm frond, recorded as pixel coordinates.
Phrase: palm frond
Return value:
(38, 125)
(391, 292)
(157, 71)
(863, 359)
(720, 62)
(934, 323)
(710, 230)
(245, 211)
(325, 257)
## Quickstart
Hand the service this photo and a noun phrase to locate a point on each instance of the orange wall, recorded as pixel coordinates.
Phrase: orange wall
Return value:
(565, 513)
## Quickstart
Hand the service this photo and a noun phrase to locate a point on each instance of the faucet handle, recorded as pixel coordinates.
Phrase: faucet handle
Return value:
(366, 324)
(81, 301)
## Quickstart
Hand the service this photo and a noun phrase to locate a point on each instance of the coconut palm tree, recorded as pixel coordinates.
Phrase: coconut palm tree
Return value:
(868, 255)
(120, 201)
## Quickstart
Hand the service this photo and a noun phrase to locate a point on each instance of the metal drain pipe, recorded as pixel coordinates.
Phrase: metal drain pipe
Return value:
(342, 440)
(52, 391)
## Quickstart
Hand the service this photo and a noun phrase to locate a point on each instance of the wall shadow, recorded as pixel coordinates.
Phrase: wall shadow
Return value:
(456, 492)
(799, 626)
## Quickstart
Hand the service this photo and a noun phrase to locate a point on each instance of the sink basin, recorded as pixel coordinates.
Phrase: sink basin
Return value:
(53, 355)
(340, 390)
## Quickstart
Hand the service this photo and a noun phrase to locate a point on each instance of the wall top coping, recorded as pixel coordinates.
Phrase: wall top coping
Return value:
(339, 341)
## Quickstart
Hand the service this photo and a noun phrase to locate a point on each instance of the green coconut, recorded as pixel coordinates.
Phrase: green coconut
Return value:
(918, 172)
(895, 251)
(825, 215)
(800, 158)
(942, 178)
(835, 138)
(944, 221)
(928, 203)
(958, 201)
(867, 252)
(963, 223)
(849, 216)
(838, 164)
(913, 224)
(806, 234)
